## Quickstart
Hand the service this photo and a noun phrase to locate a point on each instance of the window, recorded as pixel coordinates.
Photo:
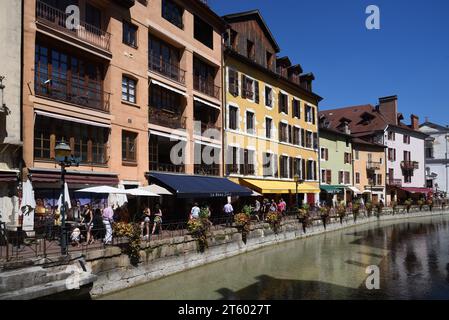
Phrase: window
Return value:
(283, 103)
(323, 176)
(309, 139)
(357, 177)
(407, 156)
(233, 118)
(283, 160)
(296, 109)
(311, 170)
(268, 97)
(347, 158)
(379, 179)
(128, 89)
(269, 60)
(232, 160)
(391, 136)
(429, 149)
(129, 34)
(233, 84)
(326, 176)
(203, 32)
(296, 136)
(356, 155)
(283, 132)
(164, 59)
(347, 177)
(93, 16)
(310, 114)
(268, 125)
(325, 154)
(248, 88)
(162, 98)
(406, 139)
(250, 52)
(391, 154)
(129, 146)
(344, 177)
(88, 143)
(247, 167)
(250, 125)
(173, 13)
(407, 178)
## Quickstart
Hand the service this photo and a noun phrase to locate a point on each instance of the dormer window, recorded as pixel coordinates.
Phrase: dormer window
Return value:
(250, 49)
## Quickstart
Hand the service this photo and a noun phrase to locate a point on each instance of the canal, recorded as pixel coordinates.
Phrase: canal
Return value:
(412, 256)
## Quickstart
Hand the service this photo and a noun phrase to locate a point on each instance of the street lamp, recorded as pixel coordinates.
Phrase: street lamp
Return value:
(64, 157)
(298, 180)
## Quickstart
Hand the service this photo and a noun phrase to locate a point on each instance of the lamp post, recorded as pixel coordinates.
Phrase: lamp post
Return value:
(64, 157)
(298, 180)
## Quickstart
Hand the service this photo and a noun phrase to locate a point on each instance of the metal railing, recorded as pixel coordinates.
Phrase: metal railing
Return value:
(206, 86)
(370, 165)
(409, 165)
(56, 18)
(166, 68)
(394, 182)
(206, 126)
(74, 90)
(166, 118)
(207, 169)
(166, 167)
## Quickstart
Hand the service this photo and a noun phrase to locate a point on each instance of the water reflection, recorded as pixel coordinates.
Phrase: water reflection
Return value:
(413, 258)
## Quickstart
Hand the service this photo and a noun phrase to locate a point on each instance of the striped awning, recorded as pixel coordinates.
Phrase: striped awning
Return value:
(9, 176)
(73, 177)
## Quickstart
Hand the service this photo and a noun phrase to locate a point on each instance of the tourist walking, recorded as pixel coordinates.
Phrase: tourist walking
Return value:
(145, 224)
(157, 219)
(195, 212)
(108, 215)
(229, 213)
(88, 220)
(282, 207)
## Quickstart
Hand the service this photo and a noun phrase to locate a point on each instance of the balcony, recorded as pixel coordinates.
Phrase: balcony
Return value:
(56, 19)
(247, 169)
(166, 118)
(394, 182)
(371, 165)
(74, 90)
(206, 86)
(207, 169)
(166, 167)
(409, 165)
(166, 69)
(232, 169)
(207, 126)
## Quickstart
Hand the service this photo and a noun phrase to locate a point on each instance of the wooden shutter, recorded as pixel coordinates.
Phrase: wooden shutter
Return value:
(328, 176)
(340, 177)
(315, 140)
(256, 91)
(303, 137)
(313, 115)
(280, 102)
(290, 134)
(243, 86)
(303, 170)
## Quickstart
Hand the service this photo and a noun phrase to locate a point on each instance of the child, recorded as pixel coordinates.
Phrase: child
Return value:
(76, 237)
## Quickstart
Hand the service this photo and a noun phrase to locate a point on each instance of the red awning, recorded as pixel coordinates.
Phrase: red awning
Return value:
(8, 176)
(417, 190)
(75, 178)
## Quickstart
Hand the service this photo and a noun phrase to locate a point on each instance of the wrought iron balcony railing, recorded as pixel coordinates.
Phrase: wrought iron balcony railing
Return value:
(166, 167)
(206, 126)
(232, 169)
(56, 18)
(409, 165)
(371, 165)
(394, 182)
(247, 169)
(206, 86)
(166, 68)
(207, 169)
(72, 89)
(166, 118)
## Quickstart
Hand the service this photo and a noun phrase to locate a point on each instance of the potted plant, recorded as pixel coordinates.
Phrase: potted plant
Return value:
(131, 231)
(242, 221)
(408, 204)
(324, 213)
(420, 204)
(198, 230)
(394, 206)
(274, 219)
(341, 211)
(356, 210)
(430, 203)
(369, 208)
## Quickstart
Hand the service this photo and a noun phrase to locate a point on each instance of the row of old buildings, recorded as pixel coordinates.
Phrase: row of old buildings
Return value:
(167, 92)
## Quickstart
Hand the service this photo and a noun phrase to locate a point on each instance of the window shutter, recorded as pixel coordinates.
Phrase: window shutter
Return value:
(275, 160)
(303, 137)
(313, 115)
(290, 134)
(256, 91)
(280, 102)
(315, 140)
(243, 86)
(327, 154)
(328, 176)
(305, 112)
(303, 170)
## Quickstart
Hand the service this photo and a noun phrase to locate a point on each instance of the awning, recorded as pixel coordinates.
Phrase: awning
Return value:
(192, 186)
(157, 189)
(276, 186)
(354, 189)
(416, 190)
(166, 86)
(331, 189)
(8, 176)
(73, 177)
(71, 119)
(207, 103)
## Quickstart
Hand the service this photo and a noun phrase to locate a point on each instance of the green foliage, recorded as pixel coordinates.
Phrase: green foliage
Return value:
(247, 210)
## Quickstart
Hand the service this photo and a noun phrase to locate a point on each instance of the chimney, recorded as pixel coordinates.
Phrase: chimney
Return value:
(388, 107)
(414, 122)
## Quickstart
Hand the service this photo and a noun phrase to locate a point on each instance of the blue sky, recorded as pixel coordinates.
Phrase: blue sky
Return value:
(408, 56)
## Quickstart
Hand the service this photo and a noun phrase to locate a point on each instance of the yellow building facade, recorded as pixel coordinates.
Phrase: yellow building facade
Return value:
(271, 124)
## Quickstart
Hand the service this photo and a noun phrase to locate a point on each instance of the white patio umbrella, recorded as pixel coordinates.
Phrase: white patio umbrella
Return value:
(102, 189)
(141, 192)
(28, 196)
(67, 198)
(157, 189)
(118, 199)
